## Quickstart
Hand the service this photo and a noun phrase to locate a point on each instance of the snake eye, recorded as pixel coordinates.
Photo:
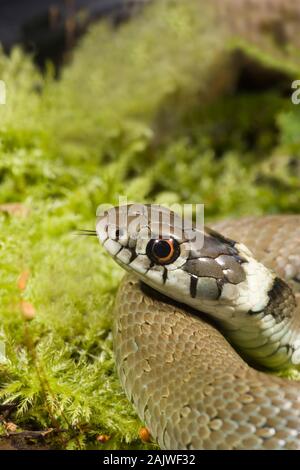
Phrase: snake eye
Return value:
(163, 251)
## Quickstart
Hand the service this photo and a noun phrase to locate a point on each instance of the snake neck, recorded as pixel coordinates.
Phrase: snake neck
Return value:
(271, 337)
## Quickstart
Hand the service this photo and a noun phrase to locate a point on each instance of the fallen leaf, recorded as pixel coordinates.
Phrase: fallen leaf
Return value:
(10, 427)
(28, 310)
(103, 438)
(15, 208)
(22, 281)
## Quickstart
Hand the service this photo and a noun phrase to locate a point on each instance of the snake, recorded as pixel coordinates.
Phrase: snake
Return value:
(204, 321)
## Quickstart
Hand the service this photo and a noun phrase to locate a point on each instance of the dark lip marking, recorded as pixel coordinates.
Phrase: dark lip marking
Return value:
(165, 275)
(133, 254)
(150, 266)
(193, 286)
(220, 284)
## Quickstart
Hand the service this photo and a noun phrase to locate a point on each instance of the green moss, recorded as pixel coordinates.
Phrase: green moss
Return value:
(131, 115)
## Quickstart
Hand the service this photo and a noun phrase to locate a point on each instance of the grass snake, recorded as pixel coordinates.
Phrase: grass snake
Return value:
(200, 330)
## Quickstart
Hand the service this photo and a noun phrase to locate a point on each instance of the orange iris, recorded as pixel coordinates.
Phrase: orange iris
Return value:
(163, 251)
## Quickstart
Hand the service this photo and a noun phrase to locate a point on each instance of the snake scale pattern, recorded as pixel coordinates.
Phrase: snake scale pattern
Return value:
(188, 384)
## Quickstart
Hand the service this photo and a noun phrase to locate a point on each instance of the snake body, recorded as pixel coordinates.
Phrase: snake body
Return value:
(188, 384)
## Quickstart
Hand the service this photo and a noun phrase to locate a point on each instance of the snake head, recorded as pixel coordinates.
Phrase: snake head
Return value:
(190, 264)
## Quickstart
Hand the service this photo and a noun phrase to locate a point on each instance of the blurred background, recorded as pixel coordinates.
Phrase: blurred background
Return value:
(160, 101)
(49, 29)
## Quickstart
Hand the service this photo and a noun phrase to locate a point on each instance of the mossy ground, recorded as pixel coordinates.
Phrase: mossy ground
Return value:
(132, 116)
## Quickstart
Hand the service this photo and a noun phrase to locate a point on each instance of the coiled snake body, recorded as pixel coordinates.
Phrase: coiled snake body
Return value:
(188, 384)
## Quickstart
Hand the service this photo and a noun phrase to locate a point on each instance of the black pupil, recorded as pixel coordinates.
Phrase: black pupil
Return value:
(161, 249)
